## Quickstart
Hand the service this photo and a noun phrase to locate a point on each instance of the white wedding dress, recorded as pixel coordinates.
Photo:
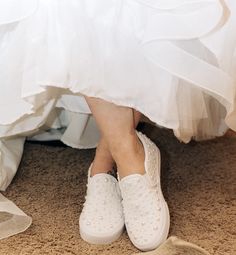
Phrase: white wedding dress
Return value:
(173, 60)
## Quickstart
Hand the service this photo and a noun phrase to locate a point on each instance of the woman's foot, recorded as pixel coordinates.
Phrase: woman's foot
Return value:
(146, 213)
(102, 219)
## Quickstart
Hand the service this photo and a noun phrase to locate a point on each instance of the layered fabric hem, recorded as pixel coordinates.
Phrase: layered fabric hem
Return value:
(126, 52)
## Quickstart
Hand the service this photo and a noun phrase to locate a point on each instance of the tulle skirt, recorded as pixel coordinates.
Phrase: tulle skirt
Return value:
(172, 60)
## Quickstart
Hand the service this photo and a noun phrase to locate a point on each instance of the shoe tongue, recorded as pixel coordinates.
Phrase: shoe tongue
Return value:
(131, 185)
(132, 179)
(102, 176)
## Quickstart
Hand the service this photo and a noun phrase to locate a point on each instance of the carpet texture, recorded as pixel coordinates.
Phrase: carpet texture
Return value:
(198, 179)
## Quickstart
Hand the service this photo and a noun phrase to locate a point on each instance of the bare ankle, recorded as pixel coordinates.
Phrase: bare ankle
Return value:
(129, 156)
(103, 161)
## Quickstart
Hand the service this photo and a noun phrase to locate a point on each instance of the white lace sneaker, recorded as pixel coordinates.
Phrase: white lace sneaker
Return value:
(102, 220)
(146, 213)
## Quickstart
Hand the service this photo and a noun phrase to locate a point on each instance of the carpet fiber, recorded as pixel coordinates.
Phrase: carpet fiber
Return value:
(198, 179)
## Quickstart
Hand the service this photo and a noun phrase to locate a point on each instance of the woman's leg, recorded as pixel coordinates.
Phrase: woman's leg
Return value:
(145, 212)
(103, 161)
(119, 140)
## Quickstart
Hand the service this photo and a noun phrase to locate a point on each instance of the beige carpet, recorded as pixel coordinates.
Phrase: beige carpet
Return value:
(199, 182)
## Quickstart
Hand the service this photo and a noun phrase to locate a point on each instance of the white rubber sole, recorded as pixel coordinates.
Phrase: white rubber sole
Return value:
(102, 239)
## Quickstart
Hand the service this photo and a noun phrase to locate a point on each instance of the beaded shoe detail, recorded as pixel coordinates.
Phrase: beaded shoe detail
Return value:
(102, 220)
(146, 213)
